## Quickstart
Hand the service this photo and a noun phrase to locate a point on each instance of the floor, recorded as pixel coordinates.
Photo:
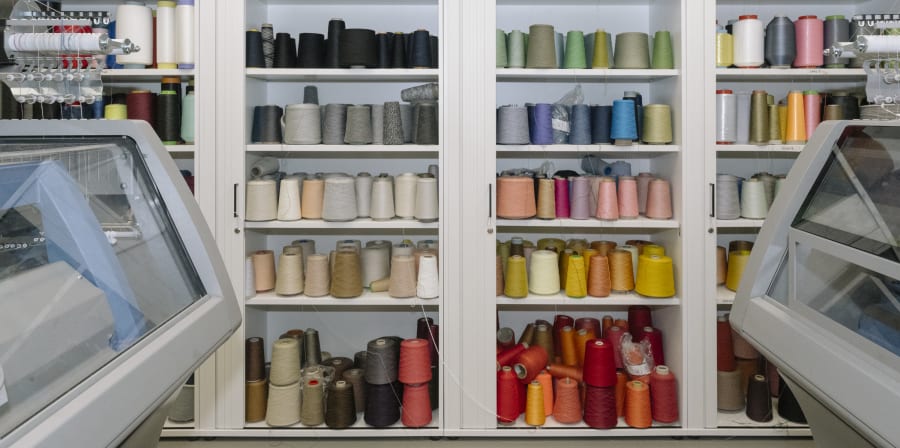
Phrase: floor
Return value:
(490, 443)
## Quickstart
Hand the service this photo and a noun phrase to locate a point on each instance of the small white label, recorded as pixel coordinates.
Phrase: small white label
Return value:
(560, 125)
(3, 397)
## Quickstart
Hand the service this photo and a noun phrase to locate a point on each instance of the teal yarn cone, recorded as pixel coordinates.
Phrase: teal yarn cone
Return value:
(662, 51)
(502, 59)
(575, 56)
(515, 49)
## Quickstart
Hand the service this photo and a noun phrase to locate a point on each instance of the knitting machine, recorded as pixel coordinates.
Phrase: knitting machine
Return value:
(877, 42)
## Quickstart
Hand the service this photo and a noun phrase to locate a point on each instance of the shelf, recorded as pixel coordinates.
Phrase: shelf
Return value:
(739, 419)
(345, 74)
(639, 223)
(431, 150)
(740, 223)
(367, 299)
(358, 429)
(552, 426)
(178, 425)
(580, 150)
(760, 148)
(180, 148)
(615, 299)
(724, 296)
(356, 224)
(600, 75)
(790, 74)
(143, 75)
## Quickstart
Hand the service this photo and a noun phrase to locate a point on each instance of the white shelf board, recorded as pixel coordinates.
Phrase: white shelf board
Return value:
(724, 296)
(345, 74)
(367, 299)
(740, 223)
(739, 419)
(588, 149)
(178, 425)
(584, 75)
(355, 224)
(615, 299)
(639, 223)
(143, 74)
(358, 429)
(375, 149)
(180, 148)
(790, 74)
(760, 148)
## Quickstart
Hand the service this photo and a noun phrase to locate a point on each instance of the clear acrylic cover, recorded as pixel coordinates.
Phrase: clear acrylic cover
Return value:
(90, 262)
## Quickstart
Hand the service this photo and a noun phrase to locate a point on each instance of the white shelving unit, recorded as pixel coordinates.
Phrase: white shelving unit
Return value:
(744, 160)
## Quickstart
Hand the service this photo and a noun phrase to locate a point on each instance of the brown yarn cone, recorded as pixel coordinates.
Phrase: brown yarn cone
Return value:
(599, 282)
(620, 270)
(346, 278)
(546, 200)
(403, 277)
(721, 266)
(255, 395)
(603, 247)
(264, 270)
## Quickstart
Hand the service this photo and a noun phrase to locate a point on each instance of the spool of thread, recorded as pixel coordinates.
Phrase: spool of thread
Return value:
(283, 405)
(512, 125)
(724, 48)
(187, 118)
(623, 128)
(541, 124)
(621, 271)
(796, 121)
(508, 407)
(653, 337)
(748, 42)
(662, 51)
(141, 106)
(737, 261)
(403, 277)
(335, 124)
(136, 22)
(392, 127)
(832, 112)
(809, 37)
(534, 404)
(264, 270)
(184, 34)
(506, 338)
(426, 128)
(599, 364)
(614, 337)
(728, 204)
(657, 124)
(255, 53)
(622, 380)
(383, 404)
(290, 275)
(516, 279)
(289, 199)
(115, 112)
(340, 406)
(599, 282)
(529, 363)
(405, 195)
(781, 47)
(726, 117)
(311, 51)
(579, 198)
(346, 278)
(165, 35)
(285, 51)
(382, 202)
(743, 117)
(575, 54)
(415, 361)
(266, 124)
(355, 377)
(561, 122)
(759, 118)
(500, 283)
(262, 204)
(358, 129)
(382, 361)
(336, 28)
(632, 50)
(416, 410)
(541, 47)
(285, 368)
(502, 58)
(567, 406)
(729, 396)
(836, 29)
(308, 247)
(600, 407)
(407, 121)
(607, 201)
(659, 200)
(544, 274)
(628, 197)
(655, 276)
(638, 412)
(357, 48)
(580, 129)
(427, 286)
(254, 359)
(312, 403)
(753, 199)
(546, 382)
(759, 402)
(601, 120)
(318, 277)
(546, 199)
(634, 251)
(363, 186)
(849, 104)
(812, 109)
(600, 50)
(256, 395)
(774, 125)
(339, 199)
(721, 266)
(576, 277)
(426, 199)
(663, 395)
(515, 197)
(419, 51)
(339, 365)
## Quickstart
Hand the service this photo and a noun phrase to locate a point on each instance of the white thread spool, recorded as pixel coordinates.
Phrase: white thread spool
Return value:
(376, 261)
(427, 285)
(543, 275)
(165, 34)
(340, 199)
(249, 278)
(382, 204)
(289, 281)
(405, 195)
(283, 405)
(363, 194)
(285, 368)
(426, 199)
(726, 117)
(753, 199)
(261, 204)
(135, 22)
(184, 34)
(749, 42)
(289, 199)
(302, 124)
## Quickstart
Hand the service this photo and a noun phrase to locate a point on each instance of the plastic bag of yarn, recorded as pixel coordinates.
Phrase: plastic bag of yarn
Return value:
(572, 97)
(637, 358)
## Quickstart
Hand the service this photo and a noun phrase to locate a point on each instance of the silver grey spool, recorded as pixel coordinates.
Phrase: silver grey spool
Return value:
(182, 411)
(363, 194)
(376, 263)
(743, 117)
(335, 124)
(377, 123)
(426, 198)
(264, 166)
(589, 49)
(512, 125)
(359, 125)
(393, 124)
(424, 92)
(403, 249)
(382, 205)
(302, 124)
(836, 29)
(308, 246)
(728, 203)
(426, 124)
(405, 195)
(354, 245)
(406, 120)
(339, 203)
(780, 42)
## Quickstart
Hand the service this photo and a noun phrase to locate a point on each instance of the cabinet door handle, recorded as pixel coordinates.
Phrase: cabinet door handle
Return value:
(235, 200)
(490, 200)
(712, 200)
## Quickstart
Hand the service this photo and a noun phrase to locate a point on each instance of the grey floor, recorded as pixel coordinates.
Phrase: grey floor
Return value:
(491, 443)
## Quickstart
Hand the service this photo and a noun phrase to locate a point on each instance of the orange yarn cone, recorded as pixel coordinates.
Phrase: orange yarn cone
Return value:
(567, 408)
